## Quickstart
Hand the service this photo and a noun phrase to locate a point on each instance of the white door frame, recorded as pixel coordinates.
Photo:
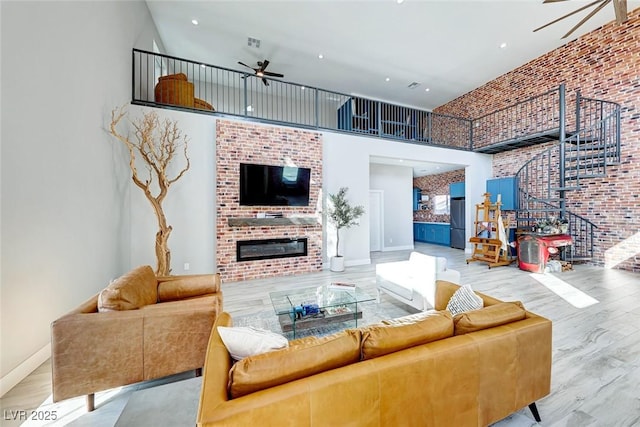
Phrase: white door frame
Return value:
(380, 195)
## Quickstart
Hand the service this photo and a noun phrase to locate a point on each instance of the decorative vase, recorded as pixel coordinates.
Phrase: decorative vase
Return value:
(337, 263)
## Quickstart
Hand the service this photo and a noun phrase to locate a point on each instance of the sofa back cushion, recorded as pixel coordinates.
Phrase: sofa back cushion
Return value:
(131, 291)
(398, 334)
(488, 317)
(182, 287)
(303, 358)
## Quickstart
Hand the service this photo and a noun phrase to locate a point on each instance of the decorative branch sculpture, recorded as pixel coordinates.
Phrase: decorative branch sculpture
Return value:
(156, 143)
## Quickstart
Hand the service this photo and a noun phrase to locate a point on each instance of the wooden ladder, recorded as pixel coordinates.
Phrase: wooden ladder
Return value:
(487, 246)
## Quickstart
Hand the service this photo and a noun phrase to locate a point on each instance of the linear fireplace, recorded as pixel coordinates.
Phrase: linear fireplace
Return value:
(250, 250)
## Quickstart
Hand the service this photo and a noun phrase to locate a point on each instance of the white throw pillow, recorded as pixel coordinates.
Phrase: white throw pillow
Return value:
(463, 300)
(246, 341)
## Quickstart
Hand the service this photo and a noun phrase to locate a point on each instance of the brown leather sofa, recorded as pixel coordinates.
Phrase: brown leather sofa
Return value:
(428, 369)
(138, 328)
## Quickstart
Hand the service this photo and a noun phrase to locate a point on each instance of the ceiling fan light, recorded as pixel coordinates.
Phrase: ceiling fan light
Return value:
(259, 73)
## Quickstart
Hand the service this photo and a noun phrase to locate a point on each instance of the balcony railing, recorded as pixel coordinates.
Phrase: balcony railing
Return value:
(167, 81)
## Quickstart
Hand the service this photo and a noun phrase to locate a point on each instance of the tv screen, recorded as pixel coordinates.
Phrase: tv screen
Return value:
(263, 185)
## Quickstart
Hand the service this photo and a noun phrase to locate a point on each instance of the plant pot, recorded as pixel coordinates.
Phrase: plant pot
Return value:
(337, 263)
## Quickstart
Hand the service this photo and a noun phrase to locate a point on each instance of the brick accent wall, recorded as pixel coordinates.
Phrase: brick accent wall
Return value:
(602, 64)
(435, 185)
(240, 142)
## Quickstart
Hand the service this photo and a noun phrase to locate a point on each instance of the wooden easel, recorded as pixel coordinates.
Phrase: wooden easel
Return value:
(486, 243)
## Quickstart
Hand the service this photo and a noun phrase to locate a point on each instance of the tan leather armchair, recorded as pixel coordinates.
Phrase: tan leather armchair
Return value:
(138, 328)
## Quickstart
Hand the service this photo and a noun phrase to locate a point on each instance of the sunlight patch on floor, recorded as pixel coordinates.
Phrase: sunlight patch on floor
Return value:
(64, 412)
(622, 251)
(573, 296)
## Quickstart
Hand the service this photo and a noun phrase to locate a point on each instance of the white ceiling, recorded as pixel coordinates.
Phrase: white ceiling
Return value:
(450, 47)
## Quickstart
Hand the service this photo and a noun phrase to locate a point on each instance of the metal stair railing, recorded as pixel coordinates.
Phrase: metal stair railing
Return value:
(539, 199)
(596, 141)
(584, 154)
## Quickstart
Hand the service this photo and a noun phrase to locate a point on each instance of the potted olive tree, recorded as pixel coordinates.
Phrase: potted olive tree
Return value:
(342, 215)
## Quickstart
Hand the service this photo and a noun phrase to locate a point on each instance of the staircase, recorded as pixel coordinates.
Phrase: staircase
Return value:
(578, 155)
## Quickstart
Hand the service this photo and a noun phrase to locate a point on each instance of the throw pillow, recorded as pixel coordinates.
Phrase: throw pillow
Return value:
(463, 300)
(246, 341)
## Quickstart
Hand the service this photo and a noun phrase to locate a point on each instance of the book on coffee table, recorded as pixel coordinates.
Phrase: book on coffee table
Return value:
(342, 285)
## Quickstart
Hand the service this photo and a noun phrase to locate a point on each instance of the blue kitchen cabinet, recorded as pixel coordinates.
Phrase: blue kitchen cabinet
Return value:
(456, 190)
(437, 233)
(508, 188)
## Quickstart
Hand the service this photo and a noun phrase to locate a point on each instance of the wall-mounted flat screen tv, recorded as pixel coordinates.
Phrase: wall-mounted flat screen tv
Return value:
(264, 185)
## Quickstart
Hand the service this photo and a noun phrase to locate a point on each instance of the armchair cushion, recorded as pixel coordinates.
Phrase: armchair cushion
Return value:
(131, 291)
(174, 288)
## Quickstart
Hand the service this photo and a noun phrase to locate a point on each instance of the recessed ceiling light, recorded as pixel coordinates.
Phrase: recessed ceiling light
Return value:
(301, 87)
(387, 79)
(202, 66)
(249, 108)
(320, 56)
(194, 21)
(399, 1)
(427, 90)
(503, 45)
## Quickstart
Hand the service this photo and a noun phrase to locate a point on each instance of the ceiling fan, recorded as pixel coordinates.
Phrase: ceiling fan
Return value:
(619, 6)
(261, 71)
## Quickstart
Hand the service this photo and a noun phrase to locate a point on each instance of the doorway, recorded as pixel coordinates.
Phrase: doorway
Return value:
(376, 220)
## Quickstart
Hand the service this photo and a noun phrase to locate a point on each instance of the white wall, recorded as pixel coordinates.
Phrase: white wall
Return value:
(189, 205)
(397, 184)
(346, 164)
(65, 186)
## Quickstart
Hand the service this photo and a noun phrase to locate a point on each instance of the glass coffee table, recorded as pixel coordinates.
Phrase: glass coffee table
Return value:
(307, 308)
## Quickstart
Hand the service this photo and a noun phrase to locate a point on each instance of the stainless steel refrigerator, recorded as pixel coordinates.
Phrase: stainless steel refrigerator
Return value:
(457, 223)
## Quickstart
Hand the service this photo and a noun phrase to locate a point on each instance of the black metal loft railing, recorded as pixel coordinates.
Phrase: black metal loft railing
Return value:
(167, 81)
(534, 120)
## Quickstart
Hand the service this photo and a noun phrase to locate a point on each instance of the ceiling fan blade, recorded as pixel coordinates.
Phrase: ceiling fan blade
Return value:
(586, 18)
(265, 81)
(269, 73)
(263, 65)
(552, 1)
(569, 14)
(242, 63)
(620, 7)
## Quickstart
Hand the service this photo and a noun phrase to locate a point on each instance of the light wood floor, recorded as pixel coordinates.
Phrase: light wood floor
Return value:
(596, 348)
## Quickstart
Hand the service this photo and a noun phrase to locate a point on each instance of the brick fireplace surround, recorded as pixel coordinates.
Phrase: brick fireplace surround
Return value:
(240, 142)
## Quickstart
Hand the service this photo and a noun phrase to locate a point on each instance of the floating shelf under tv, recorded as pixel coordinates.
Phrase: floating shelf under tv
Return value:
(261, 222)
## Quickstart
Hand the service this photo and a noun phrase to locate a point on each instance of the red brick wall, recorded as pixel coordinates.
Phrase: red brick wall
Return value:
(240, 142)
(603, 64)
(435, 185)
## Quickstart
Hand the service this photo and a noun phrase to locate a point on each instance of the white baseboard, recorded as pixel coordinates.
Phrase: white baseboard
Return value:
(353, 262)
(398, 248)
(21, 371)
